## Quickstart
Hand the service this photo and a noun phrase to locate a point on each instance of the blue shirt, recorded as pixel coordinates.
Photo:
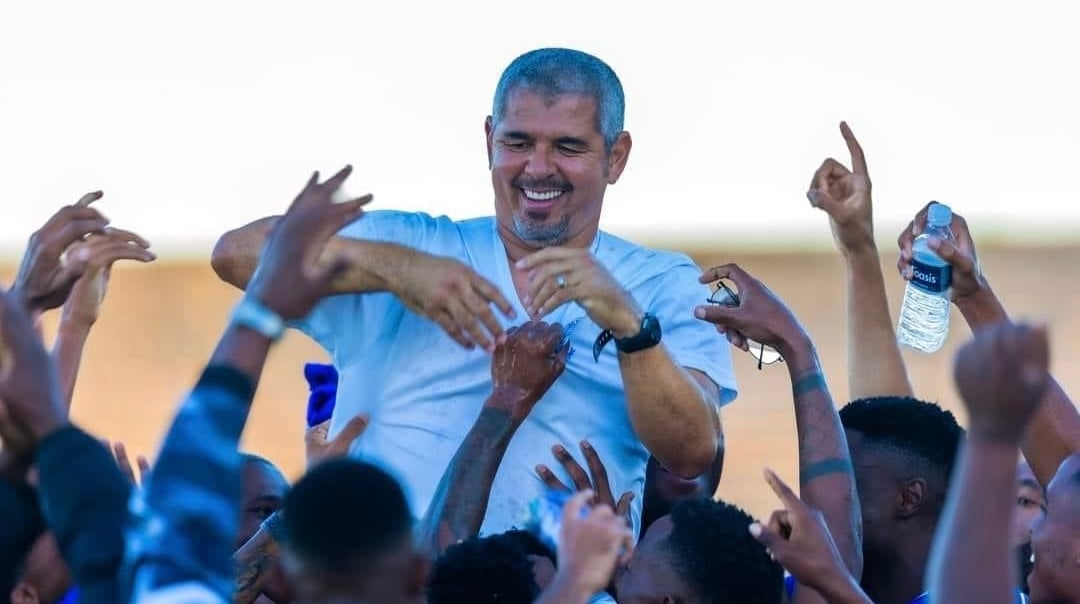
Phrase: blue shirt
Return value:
(423, 391)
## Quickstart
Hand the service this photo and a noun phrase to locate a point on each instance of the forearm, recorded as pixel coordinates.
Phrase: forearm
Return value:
(67, 354)
(461, 499)
(252, 564)
(875, 367)
(372, 265)
(826, 479)
(1054, 432)
(194, 491)
(971, 560)
(672, 414)
(86, 516)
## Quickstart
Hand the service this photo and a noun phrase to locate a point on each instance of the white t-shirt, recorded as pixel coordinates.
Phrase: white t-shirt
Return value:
(423, 391)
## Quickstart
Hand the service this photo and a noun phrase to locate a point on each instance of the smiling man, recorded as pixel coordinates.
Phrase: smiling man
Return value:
(409, 338)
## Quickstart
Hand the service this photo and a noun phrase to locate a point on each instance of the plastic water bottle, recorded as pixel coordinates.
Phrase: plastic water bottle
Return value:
(924, 316)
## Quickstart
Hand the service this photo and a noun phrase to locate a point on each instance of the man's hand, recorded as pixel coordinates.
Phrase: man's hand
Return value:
(598, 484)
(524, 367)
(318, 448)
(591, 544)
(290, 278)
(558, 275)
(967, 278)
(798, 538)
(31, 405)
(760, 316)
(454, 296)
(845, 196)
(53, 262)
(1002, 375)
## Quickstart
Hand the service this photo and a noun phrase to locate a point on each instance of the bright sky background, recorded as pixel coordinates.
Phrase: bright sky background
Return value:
(198, 116)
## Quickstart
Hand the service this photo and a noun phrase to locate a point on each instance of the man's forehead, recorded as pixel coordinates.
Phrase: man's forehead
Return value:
(525, 106)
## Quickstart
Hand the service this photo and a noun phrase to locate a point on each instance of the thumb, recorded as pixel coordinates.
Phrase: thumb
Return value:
(773, 541)
(716, 314)
(822, 200)
(353, 429)
(952, 254)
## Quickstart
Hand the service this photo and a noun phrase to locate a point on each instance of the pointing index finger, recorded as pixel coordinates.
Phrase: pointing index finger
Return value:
(89, 198)
(858, 158)
(788, 497)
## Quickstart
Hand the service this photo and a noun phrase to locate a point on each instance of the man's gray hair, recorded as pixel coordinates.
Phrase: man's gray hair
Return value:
(552, 72)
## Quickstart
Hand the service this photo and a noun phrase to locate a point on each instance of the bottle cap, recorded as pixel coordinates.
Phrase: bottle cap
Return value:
(939, 215)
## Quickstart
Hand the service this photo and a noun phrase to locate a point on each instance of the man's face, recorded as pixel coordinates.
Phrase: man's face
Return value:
(648, 577)
(549, 167)
(263, 493)
(877, 491)
(1030, 504)
(1055, 540)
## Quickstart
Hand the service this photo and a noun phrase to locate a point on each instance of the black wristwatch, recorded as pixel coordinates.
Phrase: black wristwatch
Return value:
(648, 336)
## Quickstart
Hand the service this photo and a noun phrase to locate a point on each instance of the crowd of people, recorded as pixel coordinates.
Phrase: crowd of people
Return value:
(460, 451)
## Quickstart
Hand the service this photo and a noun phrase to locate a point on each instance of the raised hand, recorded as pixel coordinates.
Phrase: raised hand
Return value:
(525, 365)
(597, 484)
(318, 448)
(454, 296)
(290, 278)
(760, 316)
(76, 239)
(1002, 375)
(591, 544)
(123, 461)
(558, 275)
(845, 196)
(798, 538)
(31, 404)
(967, 278)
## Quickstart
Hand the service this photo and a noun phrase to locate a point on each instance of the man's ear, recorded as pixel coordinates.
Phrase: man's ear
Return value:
(24, 593)
(911, 498)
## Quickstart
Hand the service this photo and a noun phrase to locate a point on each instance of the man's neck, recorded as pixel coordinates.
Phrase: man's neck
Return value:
(899, 576)
(516, 249)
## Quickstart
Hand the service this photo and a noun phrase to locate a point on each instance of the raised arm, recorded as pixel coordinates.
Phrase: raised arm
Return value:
(193, 489)
(875, 366)
(1001, 377)
(1054, 431)
(826, 479)
(523, 368)
(441, 289)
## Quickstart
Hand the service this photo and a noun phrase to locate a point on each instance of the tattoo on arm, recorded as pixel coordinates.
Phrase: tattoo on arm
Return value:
(836, 465)
(251, 565)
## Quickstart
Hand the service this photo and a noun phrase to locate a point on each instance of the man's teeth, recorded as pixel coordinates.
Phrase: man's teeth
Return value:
(541, 195)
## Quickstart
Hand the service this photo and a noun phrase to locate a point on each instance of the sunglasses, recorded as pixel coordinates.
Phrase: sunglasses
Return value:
(725, 296)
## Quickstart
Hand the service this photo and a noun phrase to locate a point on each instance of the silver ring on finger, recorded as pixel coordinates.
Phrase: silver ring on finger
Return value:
(560, 281)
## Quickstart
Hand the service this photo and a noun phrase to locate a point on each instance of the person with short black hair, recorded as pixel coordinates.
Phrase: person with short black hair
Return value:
(355, 544)
(701, 552)
(500, 568)
(903, 451)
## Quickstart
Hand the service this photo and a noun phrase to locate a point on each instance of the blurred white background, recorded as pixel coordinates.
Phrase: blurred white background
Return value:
(196, 117)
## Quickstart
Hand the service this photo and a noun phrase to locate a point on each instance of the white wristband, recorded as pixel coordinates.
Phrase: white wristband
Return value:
(253, 315)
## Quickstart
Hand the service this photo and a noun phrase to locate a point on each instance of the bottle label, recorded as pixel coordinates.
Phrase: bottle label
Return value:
(931, 278)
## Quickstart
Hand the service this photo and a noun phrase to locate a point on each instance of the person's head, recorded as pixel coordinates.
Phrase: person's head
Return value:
(664, 489)
(509, 568)
(1055, 539)
(45, 578)
(348, 534)
(903, 451)
(264, 489)
(555, 141)
(702, 553)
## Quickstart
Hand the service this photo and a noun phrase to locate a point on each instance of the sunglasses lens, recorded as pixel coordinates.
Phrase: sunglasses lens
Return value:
(765, 354)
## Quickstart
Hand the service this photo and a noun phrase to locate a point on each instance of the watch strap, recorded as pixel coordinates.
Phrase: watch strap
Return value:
(254, 315)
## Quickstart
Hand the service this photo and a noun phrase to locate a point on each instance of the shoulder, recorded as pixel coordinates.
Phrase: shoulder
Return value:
(634, 264)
